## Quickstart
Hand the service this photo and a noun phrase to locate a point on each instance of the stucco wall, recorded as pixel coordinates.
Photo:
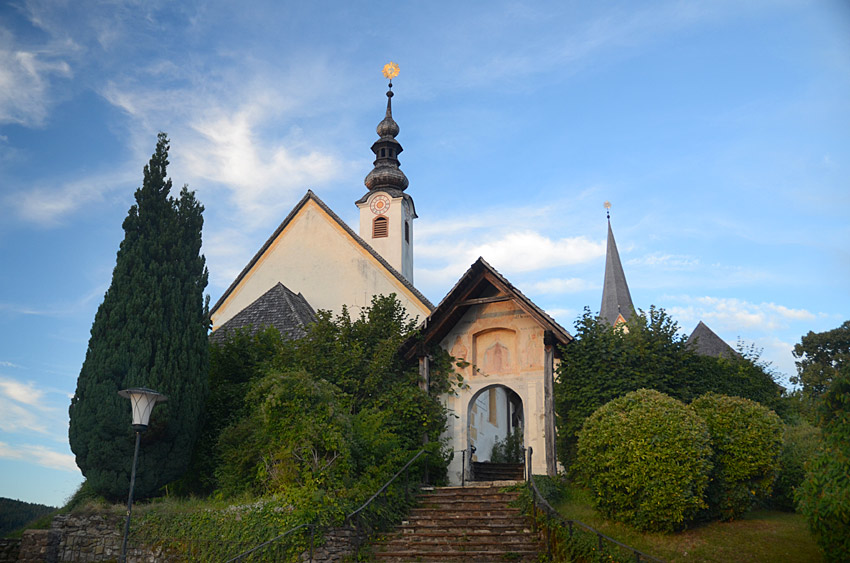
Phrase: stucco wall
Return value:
(314, 256)
(504, 346)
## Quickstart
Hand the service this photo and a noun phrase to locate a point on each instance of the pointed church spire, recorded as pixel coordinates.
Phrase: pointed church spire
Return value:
(386, 173)
(616, 300)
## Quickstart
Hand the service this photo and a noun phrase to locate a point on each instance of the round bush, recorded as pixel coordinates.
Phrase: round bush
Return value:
(646, 456)
(799, 444)
(746, 439)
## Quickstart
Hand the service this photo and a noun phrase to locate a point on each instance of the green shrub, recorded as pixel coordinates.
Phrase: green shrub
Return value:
(824, 496)
(799, 444)
(646, 456)
(508, 450)
(824, 499)
(746, 439)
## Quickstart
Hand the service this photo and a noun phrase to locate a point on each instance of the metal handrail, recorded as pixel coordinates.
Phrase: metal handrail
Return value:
(571, 522)
(387, 484)
(271, 541)
(312, 525)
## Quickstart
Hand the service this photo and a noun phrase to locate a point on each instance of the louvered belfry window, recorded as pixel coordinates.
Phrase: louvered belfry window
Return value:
(380, 227)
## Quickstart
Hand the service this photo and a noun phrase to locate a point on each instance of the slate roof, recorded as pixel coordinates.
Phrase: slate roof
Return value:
(307, 197)
(278, 307)
(705, 342)
(616, 299)
(476, 286)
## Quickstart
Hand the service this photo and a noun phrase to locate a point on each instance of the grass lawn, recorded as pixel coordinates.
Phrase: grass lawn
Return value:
(762, 535)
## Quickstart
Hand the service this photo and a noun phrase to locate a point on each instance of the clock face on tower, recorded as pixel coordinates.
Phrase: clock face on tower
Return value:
(380, 205)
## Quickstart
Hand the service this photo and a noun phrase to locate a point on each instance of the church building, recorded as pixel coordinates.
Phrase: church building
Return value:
(314, 261)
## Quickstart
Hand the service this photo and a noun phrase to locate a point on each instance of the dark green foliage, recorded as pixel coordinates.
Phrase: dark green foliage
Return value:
(150, 331)
(745, 375)
(508, 450)
(819, 357)
(746, 439)
(16, 513)
(824, 496)
(333, 410)
(298, 430)
(799, 444)
(234, 364)
(646, 458)
(604, 363)
(824, 499)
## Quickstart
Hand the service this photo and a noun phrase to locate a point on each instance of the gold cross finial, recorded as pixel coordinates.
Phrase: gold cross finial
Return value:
(390, 70)
(607, 206)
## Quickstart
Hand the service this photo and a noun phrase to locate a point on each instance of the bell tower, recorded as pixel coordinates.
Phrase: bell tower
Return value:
(386, 212)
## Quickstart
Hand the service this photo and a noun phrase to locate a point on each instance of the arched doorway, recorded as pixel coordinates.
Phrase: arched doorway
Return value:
(495, 432)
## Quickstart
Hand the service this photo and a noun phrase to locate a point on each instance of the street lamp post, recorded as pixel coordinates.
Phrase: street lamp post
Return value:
(142, 401)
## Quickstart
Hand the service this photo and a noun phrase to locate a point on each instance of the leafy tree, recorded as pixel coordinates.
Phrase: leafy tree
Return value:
(604, 363)
(234, 365)
(150, 331)
(361, 408)
(824, 496)
(799, 445)
(819, 357)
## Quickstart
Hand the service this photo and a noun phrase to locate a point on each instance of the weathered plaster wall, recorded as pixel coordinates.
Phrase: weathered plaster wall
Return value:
(504, 346)
(314, 256)
(394, 248)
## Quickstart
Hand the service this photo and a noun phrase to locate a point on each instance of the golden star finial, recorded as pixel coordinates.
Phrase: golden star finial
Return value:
(607, 205)
(390, 70)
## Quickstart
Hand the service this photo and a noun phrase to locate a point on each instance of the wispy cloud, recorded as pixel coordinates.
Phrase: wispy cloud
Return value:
(39, 455)
(48, 206)
(25, 393)
(5, 364)
(668, 261)
(731, 313)
(25, 76)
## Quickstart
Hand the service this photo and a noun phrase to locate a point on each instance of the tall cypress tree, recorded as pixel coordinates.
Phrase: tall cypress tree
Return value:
(150, 331)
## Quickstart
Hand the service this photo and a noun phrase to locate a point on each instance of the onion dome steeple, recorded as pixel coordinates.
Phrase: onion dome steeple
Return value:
(386, 174)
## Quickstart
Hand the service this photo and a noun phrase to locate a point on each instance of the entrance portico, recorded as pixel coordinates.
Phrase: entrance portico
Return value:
(508, 348)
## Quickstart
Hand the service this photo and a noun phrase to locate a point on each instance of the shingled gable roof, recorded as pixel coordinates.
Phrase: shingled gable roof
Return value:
(479, 285)
(705, 342)
(279, 307)
(292, 214)
(616, 299)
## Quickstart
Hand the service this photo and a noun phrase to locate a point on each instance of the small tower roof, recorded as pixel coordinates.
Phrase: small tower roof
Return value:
(616, 299)
(386, 174)
(705, 342)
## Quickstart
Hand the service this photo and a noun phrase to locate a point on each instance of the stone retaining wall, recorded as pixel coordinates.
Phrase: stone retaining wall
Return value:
(9, 550)
(81, 538)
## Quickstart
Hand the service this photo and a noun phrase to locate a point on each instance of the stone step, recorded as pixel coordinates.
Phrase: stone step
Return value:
(469, 556)
(515, 527)
(481, 510)
(492, 523)
(464, 543)
(464, 501)
(513, 535)
(492, 495)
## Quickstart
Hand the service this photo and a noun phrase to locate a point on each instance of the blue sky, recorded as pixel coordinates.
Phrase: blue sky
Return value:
(719, 131)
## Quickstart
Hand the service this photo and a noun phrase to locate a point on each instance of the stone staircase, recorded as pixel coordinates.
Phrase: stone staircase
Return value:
(472, 524)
